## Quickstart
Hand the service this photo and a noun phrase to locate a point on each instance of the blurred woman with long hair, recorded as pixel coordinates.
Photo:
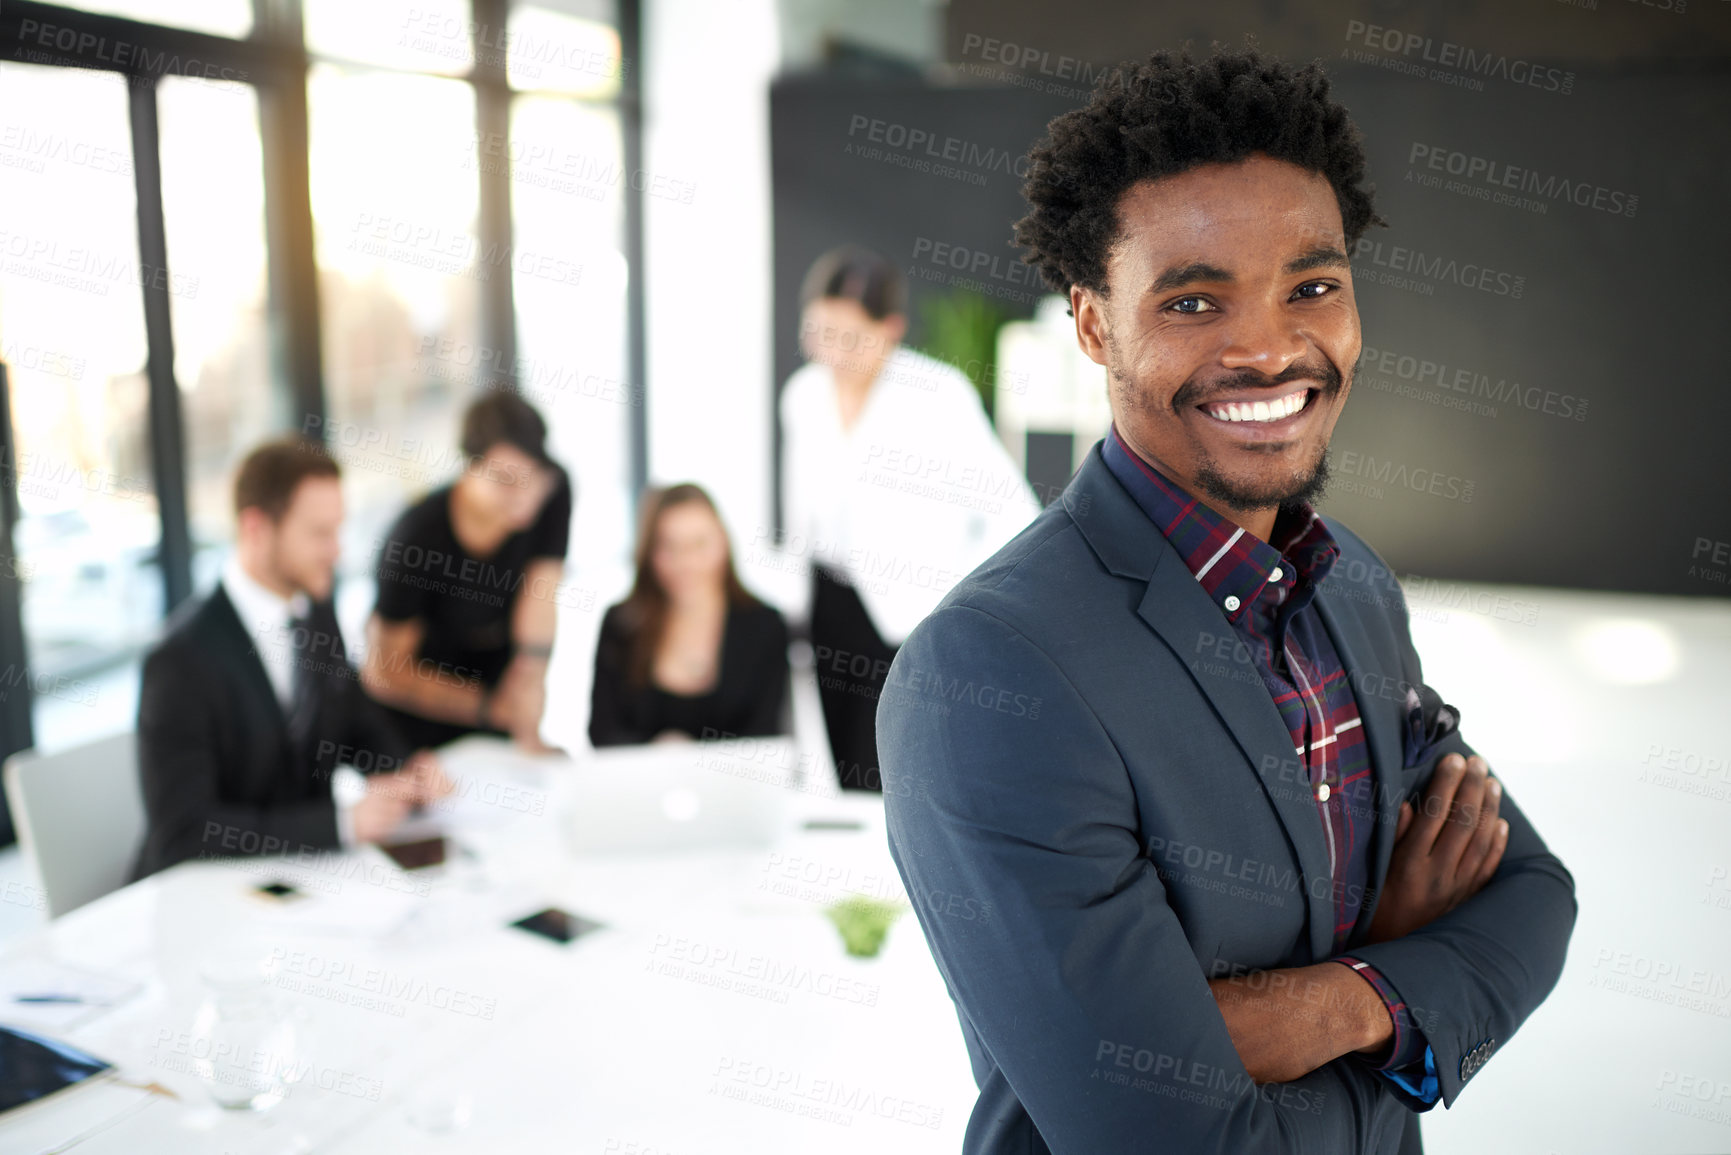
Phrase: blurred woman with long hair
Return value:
(690, 653)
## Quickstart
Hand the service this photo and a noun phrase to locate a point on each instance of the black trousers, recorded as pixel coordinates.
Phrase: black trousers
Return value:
(853, 663)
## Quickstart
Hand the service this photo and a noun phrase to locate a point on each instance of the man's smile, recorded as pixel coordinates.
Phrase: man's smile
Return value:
(1263, 417)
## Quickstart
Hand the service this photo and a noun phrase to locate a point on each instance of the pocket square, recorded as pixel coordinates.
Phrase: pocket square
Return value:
(1429, 720)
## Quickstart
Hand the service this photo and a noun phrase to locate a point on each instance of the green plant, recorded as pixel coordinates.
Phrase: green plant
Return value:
(961, 328)
(863, 923)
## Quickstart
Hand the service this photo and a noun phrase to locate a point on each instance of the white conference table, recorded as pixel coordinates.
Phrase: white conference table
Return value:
(716, 1011)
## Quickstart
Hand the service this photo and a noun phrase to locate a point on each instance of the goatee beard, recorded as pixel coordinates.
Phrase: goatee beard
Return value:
(1291, 497)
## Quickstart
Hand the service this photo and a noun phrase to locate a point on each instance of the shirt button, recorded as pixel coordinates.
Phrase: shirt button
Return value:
(1322, 792)
(1232, 602)
(1276, 574)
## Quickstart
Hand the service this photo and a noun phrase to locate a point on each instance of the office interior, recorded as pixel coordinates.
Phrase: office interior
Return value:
(223, 221)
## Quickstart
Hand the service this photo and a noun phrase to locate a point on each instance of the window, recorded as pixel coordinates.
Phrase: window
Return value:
(213, 218)
(72, 335)
(388, 240)
(401, 272)
(569, 281)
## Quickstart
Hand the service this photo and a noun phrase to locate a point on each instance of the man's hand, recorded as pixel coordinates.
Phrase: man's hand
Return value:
(1287, 1023)
(1446, 852)
(386, 804)
(390, 796)
(425, 778)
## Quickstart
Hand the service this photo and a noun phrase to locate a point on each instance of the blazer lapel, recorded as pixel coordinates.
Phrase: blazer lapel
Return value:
(1176, 609)
(246, 655)
(1381, 737)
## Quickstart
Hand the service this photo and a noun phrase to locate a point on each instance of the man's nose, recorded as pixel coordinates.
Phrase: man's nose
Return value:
(1266, 340)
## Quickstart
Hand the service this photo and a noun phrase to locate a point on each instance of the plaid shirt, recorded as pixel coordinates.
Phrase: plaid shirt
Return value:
(1265, 590)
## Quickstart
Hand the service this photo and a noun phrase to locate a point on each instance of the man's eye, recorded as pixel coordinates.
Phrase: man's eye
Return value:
(1323, 285)
(1178, 306)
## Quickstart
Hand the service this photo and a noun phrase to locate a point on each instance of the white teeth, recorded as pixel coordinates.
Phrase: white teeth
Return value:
(1275, 410)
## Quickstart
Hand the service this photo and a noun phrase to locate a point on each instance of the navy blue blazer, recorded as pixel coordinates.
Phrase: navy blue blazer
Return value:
(1095, 808)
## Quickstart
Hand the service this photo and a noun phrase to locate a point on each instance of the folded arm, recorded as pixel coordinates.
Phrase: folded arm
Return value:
(1013, 831)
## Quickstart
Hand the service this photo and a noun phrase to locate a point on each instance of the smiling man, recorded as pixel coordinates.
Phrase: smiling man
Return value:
(1205, 864)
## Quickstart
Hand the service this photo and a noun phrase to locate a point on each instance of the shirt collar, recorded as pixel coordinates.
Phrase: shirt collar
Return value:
(262, 612)
(1234, 567)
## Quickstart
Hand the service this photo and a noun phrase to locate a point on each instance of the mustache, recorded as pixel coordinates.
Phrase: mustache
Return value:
(1194, 392)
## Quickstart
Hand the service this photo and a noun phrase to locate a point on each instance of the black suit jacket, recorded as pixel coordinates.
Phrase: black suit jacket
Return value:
(215, 763)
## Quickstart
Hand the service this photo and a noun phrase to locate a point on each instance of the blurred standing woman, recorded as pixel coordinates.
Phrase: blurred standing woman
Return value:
(689, 653)
(894, 487)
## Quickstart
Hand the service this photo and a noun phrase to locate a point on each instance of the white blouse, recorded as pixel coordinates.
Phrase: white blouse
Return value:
(908, 501)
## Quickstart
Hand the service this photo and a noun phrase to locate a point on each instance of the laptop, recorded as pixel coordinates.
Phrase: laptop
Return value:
(677, 796)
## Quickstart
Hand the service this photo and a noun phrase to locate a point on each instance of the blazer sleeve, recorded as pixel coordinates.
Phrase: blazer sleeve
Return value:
(610, 722)
(367, 726)
(1474, 975)
(1010, 817)
(180, 768)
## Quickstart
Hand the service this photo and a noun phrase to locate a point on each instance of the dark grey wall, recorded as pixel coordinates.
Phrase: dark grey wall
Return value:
(1573, 429)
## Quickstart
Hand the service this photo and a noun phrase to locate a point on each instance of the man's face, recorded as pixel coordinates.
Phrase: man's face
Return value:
(511, 485)
(1230, 331)
(303, 547)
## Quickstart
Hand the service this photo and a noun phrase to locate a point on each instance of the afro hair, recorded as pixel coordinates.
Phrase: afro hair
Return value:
(1168, 116)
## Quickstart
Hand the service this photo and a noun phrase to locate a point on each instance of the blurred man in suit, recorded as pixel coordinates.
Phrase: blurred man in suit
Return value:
(249, 704)
(1205, 865)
